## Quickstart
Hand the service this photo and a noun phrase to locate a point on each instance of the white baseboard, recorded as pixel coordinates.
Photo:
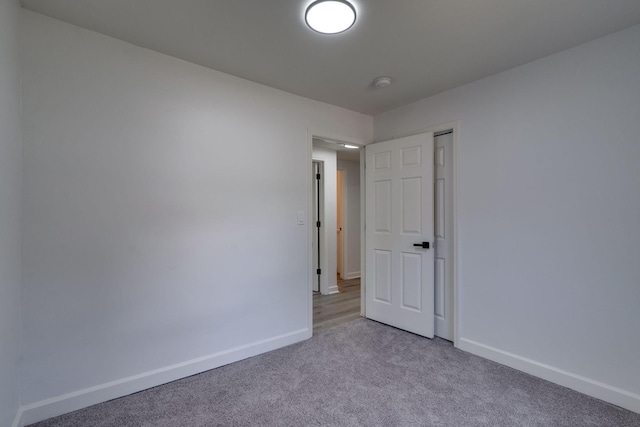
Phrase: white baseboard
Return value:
(63, 404)
(333, 290)
(354, 275)
(608, 393)
(17, 421)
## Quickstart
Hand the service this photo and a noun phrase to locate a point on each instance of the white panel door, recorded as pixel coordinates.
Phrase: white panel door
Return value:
(399, 215)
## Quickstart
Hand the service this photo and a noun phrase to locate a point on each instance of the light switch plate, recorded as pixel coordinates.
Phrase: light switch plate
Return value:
(301, 217)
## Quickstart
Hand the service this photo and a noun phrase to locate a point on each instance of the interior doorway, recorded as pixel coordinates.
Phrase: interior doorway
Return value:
(336, 213)
(445, 303)
(336, 233)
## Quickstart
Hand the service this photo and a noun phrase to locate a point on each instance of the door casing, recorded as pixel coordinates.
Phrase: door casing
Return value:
(319, 133)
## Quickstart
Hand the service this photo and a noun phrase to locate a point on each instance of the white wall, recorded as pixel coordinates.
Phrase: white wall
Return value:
(329, 221)
(549, 213)
(160, 212)
(351, 214)
(10, 246)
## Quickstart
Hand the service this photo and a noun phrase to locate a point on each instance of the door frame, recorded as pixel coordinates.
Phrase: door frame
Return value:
(456, 254)
(317, 236)
(342, 207)
(321, 134)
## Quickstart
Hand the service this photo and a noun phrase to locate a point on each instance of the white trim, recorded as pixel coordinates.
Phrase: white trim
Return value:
(327, 236)
(345, 217)
(602, 391)
(310, 230)
(333, 290)
(318, 133)
(352, 275)
(69, 402)
(363, 252)
(457, 295)
(17, 421)
(323, 252)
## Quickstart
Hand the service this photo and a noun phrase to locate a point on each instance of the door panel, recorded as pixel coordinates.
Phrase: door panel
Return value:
(440, 210)
(382, 203)
(382, 276)
(412, 206)
(399, 214)
(411, 281)
(440, 290)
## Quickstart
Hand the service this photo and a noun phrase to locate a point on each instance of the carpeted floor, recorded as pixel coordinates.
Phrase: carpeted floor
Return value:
(360, 373)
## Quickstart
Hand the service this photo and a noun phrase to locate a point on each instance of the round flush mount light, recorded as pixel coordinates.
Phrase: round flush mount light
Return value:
(330, 16)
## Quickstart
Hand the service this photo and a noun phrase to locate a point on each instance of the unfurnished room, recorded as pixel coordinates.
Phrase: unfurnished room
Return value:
(319, 212)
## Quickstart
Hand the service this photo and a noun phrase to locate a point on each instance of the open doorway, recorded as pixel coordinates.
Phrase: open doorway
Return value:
(445, 280)
(336, 233)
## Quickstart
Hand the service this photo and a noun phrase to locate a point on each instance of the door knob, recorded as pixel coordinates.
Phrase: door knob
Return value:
(423, 245)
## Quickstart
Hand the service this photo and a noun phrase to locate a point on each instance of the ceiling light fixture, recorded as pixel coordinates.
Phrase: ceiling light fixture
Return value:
(330, 16)
(350, 146)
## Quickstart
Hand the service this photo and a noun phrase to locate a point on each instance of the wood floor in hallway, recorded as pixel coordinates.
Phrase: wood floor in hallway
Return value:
(338, 308)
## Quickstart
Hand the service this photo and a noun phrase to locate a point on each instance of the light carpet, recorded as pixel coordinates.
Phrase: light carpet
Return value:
(360, 373)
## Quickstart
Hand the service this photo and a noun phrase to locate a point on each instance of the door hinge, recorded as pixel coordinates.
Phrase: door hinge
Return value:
(317, 176)
(318, 271)
(318, 224)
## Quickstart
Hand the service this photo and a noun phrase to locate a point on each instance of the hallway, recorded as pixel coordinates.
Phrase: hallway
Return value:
(335, 309)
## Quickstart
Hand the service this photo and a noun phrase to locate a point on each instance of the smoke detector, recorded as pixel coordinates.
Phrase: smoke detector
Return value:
(381, 82)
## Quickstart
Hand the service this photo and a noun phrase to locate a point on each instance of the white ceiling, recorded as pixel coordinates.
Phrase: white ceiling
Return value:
(427, 46)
